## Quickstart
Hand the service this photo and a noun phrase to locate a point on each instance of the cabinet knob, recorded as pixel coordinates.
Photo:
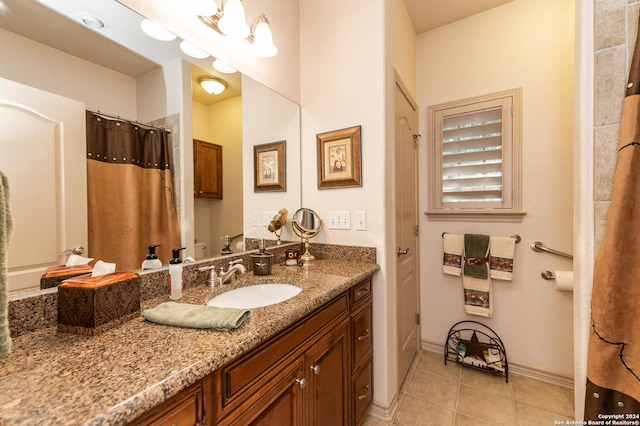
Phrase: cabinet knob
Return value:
(364, 395)
(302, 383)
(315, 369)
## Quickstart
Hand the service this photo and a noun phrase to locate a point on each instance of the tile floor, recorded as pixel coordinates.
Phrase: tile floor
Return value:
(435, 394)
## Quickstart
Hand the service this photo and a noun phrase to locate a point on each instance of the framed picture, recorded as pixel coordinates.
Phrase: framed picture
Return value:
(269, 167)
(339, 160)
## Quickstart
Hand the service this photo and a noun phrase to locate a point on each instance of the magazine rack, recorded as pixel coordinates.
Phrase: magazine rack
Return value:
(473, 344)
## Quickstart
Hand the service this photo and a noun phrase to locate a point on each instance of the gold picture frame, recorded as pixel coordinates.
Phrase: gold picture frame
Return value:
(339, 159)
(269, 167)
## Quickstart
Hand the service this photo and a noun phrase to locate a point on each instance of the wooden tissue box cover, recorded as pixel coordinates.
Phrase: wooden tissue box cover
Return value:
(90, 305)
(54, 275)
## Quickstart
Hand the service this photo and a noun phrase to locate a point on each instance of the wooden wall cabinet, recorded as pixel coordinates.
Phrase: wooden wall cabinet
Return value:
(207, 166)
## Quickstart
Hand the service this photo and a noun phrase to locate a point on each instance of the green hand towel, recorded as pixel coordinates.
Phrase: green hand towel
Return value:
(196, 316)
(476, 246)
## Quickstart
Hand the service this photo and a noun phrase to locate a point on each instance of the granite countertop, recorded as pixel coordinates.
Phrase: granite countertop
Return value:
(112, 378)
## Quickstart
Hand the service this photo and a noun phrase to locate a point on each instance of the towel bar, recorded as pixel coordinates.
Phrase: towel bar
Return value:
(515, 237)
(538, 246)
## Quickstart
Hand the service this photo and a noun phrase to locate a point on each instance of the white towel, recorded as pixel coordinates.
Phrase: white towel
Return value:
(452, 248)
(502, 251)
(6, 225)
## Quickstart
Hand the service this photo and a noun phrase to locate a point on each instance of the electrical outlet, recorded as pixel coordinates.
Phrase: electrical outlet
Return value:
(360, 221)
(256, 218)
(339, 220)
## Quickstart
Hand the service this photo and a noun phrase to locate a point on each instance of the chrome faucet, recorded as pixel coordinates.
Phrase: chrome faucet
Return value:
(235, 266)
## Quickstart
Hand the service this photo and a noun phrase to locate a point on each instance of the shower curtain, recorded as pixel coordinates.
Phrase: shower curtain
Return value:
(613, 361)
(130, 193)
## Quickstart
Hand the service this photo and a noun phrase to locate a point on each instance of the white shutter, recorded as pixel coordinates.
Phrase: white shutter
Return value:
(473, 151)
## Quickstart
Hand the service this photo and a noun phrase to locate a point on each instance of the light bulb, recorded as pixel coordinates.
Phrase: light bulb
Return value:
(223, 67)
(156, 31)
(263, 39)
(192, 50)
(232, 23)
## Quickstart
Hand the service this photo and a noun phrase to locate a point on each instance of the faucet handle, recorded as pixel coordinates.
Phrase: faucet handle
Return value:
(235, 262)
(212, 274)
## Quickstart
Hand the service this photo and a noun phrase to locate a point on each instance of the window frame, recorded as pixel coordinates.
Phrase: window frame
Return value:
(509, 207)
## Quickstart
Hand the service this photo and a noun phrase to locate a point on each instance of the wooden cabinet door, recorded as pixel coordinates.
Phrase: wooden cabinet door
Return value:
(328, 372)
(207, 158)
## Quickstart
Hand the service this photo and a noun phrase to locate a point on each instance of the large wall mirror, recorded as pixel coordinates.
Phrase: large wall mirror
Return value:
(133, 76)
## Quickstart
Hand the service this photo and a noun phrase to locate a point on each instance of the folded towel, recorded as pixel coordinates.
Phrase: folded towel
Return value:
(478, 299)
(476, 256)
(452, 247)
(196, 316)
(501, 257)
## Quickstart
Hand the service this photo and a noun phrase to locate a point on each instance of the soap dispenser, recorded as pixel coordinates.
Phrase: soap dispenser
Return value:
(175, 274)
(152, 261)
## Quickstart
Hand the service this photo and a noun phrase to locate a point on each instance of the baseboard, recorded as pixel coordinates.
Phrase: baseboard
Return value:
(385, 414)
(518, 370)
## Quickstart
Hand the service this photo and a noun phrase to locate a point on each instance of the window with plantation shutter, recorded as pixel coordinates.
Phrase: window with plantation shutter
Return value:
(474, 158)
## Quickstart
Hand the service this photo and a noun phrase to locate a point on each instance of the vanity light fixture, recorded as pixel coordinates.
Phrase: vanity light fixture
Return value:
(262, 46)
(233, 24)
(212, 85)
(156, 31)
(229, 21)
(193, 51)
(223, 67)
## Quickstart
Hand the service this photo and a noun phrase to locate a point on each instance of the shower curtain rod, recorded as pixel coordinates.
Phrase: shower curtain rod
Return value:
(114, 117)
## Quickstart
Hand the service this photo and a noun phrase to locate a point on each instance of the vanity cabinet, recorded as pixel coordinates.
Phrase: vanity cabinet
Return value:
(207, 166)
(316, 372)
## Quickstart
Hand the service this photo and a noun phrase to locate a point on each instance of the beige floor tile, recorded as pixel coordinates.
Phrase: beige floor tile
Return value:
(433, 388)
(416, 411)
(485, 406)
(485, 381)
(544, 395)
(372, 421)
(464, 420)
(529, 415)
(432, 362)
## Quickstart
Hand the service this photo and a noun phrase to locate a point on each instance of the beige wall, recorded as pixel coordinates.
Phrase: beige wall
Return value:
(504, 48)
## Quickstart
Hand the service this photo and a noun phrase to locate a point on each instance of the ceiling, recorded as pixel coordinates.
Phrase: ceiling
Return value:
(122, 46)
(427, 15)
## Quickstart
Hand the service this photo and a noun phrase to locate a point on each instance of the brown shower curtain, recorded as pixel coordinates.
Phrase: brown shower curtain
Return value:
(613, 364)
(130, 193)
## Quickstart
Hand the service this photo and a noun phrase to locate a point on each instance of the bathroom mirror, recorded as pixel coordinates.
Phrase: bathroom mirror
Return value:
(306, 224)
(38, 22)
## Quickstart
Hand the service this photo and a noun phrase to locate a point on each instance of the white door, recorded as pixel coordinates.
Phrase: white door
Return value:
(406, 206)
(43, 154)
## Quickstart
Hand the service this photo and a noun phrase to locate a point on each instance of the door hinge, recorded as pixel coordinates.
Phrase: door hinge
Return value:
(416, 230)
(418, 319)
(415, 140)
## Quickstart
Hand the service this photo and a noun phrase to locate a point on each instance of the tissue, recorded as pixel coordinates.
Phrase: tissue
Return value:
(563, 280)
(103, 268)
(75, 260)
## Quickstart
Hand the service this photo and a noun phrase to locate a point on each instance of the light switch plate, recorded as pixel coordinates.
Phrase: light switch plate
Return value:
(360, 223)
(339, 220)
(267, 216)
(256, 218)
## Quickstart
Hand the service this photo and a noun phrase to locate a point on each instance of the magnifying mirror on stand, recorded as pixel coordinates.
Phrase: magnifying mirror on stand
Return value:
(306, 224)
(277, 223)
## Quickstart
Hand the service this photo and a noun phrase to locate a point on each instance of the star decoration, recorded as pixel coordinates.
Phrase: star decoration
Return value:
(261, 265)
(474, 347)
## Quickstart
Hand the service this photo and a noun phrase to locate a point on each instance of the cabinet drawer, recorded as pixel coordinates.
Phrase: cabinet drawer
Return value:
(363, 392)
(362, 334)
(240, 375)
(360, 292)
(181, 410)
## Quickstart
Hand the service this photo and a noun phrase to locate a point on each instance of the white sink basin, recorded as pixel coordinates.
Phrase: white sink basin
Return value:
(255, 296)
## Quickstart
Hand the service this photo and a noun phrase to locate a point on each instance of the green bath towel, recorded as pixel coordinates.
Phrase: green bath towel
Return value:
(476, 246)
(196, 316)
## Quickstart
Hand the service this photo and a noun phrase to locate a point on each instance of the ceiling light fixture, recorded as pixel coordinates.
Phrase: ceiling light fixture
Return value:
(223, 67)
(156, 31)
(91, 20)
(212, 85)
(229, 21)
(193, 51)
